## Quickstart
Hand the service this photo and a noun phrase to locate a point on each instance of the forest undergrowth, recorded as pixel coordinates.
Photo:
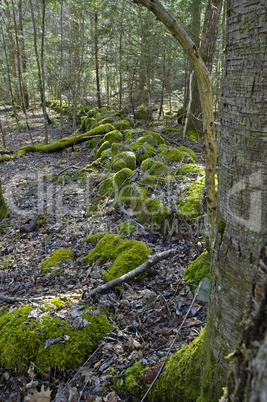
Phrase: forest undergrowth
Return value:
(54, 203)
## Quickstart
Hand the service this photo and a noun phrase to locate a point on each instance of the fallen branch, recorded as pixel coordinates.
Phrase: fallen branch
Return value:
(11, 299)
(152, 260)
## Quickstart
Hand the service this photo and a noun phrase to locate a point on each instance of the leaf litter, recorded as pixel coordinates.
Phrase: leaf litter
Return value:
(146, 314)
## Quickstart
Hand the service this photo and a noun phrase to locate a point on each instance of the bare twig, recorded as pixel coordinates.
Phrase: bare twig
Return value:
(152, 260)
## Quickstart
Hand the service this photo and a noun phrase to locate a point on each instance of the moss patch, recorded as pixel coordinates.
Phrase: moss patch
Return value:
(221, 225)
(190, 169)
(113, 136)
(124, 159)
(160, 140)
(147, 139)
(122, 125)
(132, 381)
(181, 378)
(4, 158)
(190, 201)
(54, 260)
(125, 254)
(23, 340)
(153, 167)
(199, 269)
(127, 228)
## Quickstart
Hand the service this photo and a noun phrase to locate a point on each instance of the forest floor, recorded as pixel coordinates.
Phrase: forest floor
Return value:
(146, 314)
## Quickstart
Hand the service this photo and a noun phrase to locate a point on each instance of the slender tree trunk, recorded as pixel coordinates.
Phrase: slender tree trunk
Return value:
(40, 64)
(205, 89)
(207, 51)
(98, 90)
(23, 55)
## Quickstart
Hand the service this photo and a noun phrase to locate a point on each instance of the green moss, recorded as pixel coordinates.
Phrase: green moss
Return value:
(190, 169)
(54, 260)
(153, 167)
(179, 154)
(127, 228)
(116, 148)
(125, 254)
(143, 151)
(189, 152)
(122, 125)
(132, 381)
(71, 176)
(150, 210)
(147, 139)
(23, 340)
(193, 135)
(103, 147)
(101, 129)
(124, 159)
(92, 143)
(190, 201)
(162, 148)
(221, 225)
(106, 184)
(4, 158)
(199, 269)
(154, 181)
(57, 302)
(181, 378)
(143, 114)
(122, 178)
(129, 134)
(113, 136)
(160, 140)
(173, 131)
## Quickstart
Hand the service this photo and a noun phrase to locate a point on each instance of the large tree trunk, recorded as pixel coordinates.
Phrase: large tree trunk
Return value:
(3, 208)
(200, 372)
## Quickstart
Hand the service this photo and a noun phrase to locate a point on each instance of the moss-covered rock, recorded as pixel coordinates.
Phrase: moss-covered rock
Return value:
(199, 268)
(127, 228)
(143, 114)
(190, 169)
(154, 181)
(106, 184)
(125, 254)
(23, 339)
(92, 143)
(122, 178)
(101, 129)
(124, 159)
(190, 152)
(153, 167)
(142, 151)
(122, 125)
(4, 158)
(193, 135)
(54, 260)
(105, 145)
(176, 155)
(128, 135)
(113, 136)
(147, 139)
(160, 140)
(181, 378)
(190, 201)
(151, 211)
(116, 148)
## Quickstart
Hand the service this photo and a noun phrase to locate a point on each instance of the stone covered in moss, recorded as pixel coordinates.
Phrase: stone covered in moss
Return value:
(150, 210)
(190, 169)
(124, 159)
(190, 152)
(128, 135)
(199, 268)
(125, 254)
(127, 228)
(92, 143)
(113, 136)
(147, 139)
(143, 151)
(190, 202)
(181, 378)
(154, 181)
(105, 145)
(4, 158)
(101, 129)
(175, 155)
(106, 184)
(193, 135)
(160, 140)
(23, 339)
(55, 258)
(122, 178)
(153, 167)
(116, 148)
(122, 125)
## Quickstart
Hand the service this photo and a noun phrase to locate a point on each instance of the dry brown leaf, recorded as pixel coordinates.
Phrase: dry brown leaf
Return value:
(42, 396)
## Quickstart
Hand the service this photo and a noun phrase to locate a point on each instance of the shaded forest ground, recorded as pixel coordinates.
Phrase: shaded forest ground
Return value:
(145, 314)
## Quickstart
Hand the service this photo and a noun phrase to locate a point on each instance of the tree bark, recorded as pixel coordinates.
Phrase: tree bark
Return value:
(207, 51)
(205, 89)
(3, 208)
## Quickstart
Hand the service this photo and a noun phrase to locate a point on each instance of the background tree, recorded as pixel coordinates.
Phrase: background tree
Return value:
(3, 208)
(199, 372)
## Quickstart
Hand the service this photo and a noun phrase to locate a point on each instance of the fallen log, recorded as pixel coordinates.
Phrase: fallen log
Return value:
(152, 260)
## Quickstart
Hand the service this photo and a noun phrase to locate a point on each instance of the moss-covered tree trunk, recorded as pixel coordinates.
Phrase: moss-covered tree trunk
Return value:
(3, 208)
(242, 211)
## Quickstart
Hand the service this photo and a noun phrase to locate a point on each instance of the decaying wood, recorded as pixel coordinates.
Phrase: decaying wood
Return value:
(152, 260)
(11, 299)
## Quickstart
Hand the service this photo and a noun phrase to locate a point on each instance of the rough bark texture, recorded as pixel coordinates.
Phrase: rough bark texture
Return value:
(3, 208)
(242, 193)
